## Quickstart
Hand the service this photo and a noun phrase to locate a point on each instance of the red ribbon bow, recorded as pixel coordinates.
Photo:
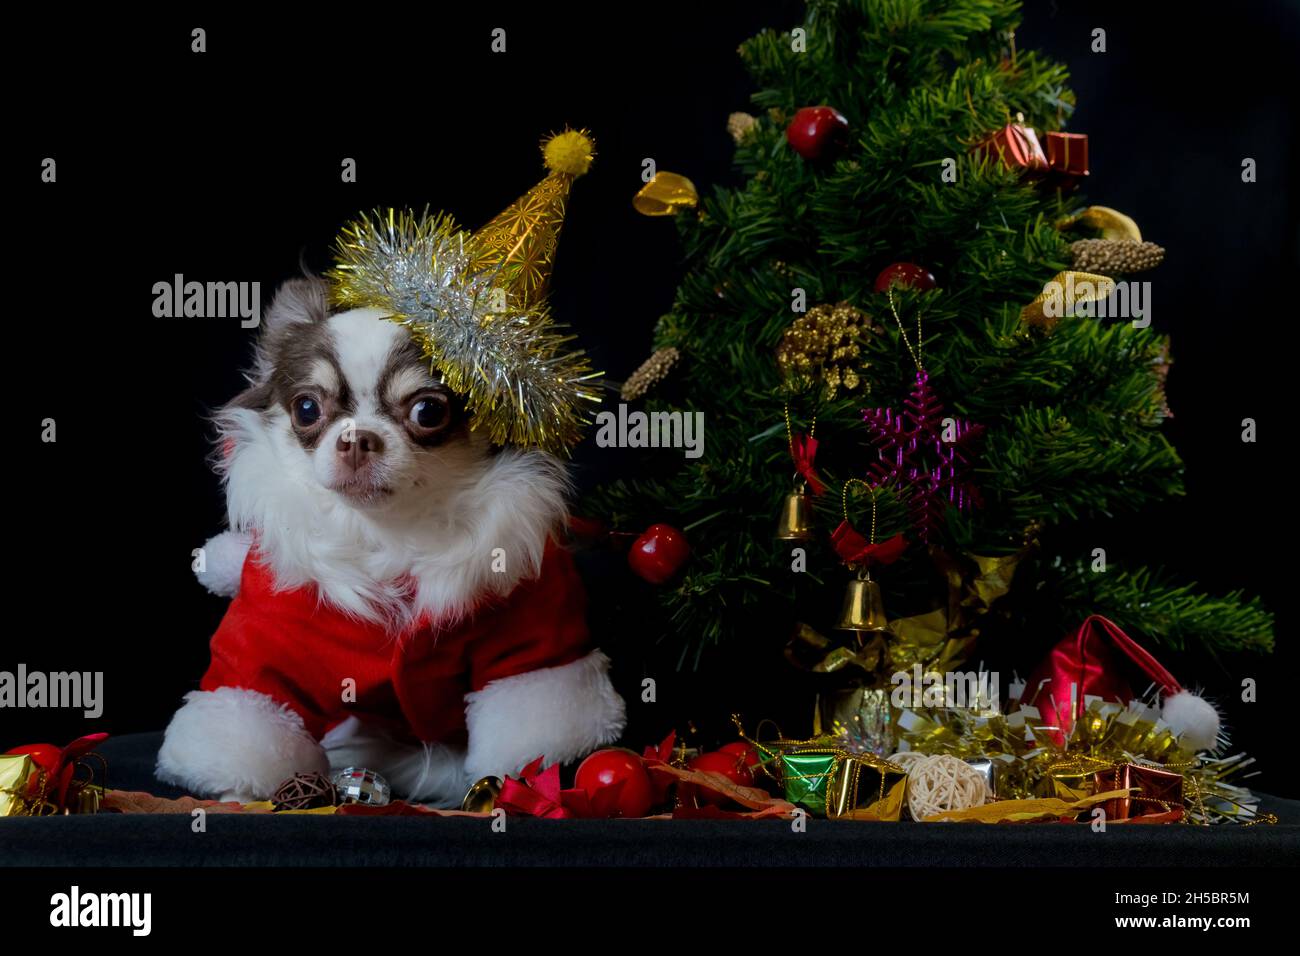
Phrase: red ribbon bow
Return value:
(803, 449)
(855, 549)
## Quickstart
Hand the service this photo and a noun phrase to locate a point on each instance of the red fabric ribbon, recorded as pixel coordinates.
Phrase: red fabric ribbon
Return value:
(536, 793)
(58, 765)
(803, 448)
(853, 548)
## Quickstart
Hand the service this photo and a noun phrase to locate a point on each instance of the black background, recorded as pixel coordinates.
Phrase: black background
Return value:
(225, 167)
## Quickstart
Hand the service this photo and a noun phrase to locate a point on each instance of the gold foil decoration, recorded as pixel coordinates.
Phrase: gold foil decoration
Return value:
(860, 718)
(1063, 294)
(1112, 223)
(665, 195)
(1024, 811)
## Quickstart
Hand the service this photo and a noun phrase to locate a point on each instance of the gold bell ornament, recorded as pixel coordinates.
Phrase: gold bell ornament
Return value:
(796, 520)
(482, 796)
(864, 608)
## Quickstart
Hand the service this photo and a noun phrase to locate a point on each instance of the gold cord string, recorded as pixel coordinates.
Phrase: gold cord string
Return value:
(914, 351)
(844, 503)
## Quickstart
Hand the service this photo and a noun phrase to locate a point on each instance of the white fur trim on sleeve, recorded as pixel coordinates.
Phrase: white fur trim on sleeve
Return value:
(223, 562)
(561, 713)
(237, 744)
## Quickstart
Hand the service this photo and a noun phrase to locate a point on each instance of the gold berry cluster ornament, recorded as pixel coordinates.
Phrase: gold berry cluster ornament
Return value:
(1116, 256)
(650, 373)
(740, 125)
(825, 345)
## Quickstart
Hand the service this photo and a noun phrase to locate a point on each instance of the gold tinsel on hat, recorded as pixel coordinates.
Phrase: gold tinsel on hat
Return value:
(824, 344)
(475, 304)
(650, 373)
(1115, 256)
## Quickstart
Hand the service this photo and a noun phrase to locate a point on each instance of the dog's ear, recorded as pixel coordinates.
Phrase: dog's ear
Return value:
(298, 301)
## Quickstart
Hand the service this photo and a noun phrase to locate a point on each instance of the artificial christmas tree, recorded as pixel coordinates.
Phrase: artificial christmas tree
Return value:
(1005, 520)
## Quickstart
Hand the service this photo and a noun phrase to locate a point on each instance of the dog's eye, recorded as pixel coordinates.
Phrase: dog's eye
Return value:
(306, 411)
(430, 412)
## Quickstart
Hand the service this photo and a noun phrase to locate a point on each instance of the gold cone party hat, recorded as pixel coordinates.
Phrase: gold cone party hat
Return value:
(476, 304)
(520, 242)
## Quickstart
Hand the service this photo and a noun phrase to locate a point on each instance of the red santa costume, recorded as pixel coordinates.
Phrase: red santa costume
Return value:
(413, 683)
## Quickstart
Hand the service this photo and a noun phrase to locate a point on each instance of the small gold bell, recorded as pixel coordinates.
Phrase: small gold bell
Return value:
(795, 523)
(864, 608)
(482, 797)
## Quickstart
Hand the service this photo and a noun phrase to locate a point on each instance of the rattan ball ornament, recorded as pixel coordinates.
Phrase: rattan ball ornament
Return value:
(940, 782)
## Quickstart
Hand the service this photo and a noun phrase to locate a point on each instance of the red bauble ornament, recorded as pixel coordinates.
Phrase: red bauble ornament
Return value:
(659, 553)
(730, 765)
(816, 131)
(622, 768)
(742, 749)
(907, 274)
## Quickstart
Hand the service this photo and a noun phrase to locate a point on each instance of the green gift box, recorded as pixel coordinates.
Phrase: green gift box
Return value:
(806, 777)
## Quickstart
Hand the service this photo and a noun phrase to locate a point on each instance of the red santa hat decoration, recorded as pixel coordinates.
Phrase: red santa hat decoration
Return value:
(1084, 665)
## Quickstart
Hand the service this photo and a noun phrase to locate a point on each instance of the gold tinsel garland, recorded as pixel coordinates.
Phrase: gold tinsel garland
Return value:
(1107, 733)
(825, 345)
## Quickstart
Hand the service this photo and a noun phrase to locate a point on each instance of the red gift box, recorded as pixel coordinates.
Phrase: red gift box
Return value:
(1068, 153)
(1157, 791)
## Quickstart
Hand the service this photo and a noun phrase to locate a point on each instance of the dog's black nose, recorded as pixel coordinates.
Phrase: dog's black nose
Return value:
(356, 446)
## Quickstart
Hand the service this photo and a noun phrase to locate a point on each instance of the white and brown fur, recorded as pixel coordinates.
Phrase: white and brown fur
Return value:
(390, 521)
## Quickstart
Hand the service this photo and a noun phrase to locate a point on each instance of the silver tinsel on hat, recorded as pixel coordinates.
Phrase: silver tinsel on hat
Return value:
(520, 386)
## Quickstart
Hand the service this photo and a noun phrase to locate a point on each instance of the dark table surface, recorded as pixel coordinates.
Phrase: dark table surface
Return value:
(150, 840)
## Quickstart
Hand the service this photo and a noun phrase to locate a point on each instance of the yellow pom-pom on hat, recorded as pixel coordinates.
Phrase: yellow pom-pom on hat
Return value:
(520, 242)
(570, 152)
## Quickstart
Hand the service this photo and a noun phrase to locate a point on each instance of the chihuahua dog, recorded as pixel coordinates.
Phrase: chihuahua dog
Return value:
(400, 601)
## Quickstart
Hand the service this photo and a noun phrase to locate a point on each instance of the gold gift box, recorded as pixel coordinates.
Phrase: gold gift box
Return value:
(15, 769)
(16, 772)
(864, 787)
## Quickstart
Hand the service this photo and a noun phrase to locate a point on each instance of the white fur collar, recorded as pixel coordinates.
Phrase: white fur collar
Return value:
(439, 560)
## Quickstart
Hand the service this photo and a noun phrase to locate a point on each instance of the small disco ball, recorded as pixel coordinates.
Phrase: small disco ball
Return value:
(359, 785)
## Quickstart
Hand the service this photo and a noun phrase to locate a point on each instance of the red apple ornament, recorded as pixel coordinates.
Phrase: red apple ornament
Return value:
(817, 131)
(907, 274)
(659, 553)
(729, 764)
(616, 767)
(742, 749)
